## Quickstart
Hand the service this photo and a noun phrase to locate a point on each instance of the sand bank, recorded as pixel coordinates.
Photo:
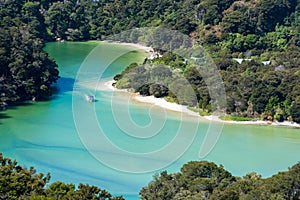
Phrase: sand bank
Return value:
(180, 108)
(138, 46)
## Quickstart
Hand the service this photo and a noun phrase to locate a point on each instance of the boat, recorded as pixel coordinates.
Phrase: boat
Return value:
(90, 98)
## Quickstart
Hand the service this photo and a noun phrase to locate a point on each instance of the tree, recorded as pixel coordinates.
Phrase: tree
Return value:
(236, 22)
(57, 18)
(17, 182)
(196, 180)
(158, 90)
(272, 105)
(59, 190)
(295, 111)
(33, 17)
(26, 71)
(205, 180)
(272, 12)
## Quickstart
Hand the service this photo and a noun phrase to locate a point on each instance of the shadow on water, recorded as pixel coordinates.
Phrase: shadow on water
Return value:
(63, 85)
(16, 105)
(3, 116)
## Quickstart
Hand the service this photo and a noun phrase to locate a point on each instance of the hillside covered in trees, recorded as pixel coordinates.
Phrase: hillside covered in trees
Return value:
(263, 31)
(205, 180)
(17, 182)
(196, 180)
(26, 71)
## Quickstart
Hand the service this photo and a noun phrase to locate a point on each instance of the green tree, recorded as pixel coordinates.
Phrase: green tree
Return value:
(33, 17)
(295, 111)
(272, 12)
(57, 18)
(17, 182)
(204, 180)
(272, 105)
(236, 22)
(26, 70)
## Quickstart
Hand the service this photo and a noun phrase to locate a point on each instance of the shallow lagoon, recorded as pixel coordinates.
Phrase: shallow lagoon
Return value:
(43, 134)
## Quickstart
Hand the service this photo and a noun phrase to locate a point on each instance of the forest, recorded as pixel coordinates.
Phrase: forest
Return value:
(196, 180)
(17, 182)
(259, 31)
(205, 180)
(26, 71)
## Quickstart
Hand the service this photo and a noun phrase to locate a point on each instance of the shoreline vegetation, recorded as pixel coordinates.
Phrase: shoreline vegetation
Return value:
(206, 180)
(216, 182)
(161, 102)
(172, 106)
(257, 55)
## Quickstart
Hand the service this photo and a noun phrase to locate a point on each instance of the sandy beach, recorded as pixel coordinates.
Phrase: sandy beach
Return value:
(138, 46)
(180, 108)
(108, 85)
(257, 122)
(164, 104)
(183, 109)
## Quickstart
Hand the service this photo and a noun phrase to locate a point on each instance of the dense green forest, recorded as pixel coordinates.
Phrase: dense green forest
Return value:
(263, 30)
(260, 30)
(196, 180)
(264, 86)
(26, 71)
(17, 182)
(205, 180)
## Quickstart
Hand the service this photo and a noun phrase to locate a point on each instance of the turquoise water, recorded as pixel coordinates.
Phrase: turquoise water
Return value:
(45, 134)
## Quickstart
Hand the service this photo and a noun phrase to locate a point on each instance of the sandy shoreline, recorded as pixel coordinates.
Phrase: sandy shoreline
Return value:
(164, 104)
(257, 122)
(183, 109)
(153, 100)
(180, 108)
(138, 46)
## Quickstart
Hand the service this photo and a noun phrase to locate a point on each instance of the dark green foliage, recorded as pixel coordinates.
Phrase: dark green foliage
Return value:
(158, 90)
(253, 89)
(197, 180)
(236, 22)
(158, 77)
(57, 18)
(295, 111)
(205, 180)
(17, 182)
(144, 90)
(272, 12)
(262, 30)
(26, 72)
(68, 20)
(82, 20)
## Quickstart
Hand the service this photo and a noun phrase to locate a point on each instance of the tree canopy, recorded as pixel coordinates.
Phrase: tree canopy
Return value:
(205, 180)
(265, 31)
(17, 182)
(26, 70)
(196, 180)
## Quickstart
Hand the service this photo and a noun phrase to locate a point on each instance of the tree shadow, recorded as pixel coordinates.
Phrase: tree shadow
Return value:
(63, 85)
(17, 104)
(3, 116)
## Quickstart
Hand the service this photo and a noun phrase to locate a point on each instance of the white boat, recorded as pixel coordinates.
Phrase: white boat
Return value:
(90, 98)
